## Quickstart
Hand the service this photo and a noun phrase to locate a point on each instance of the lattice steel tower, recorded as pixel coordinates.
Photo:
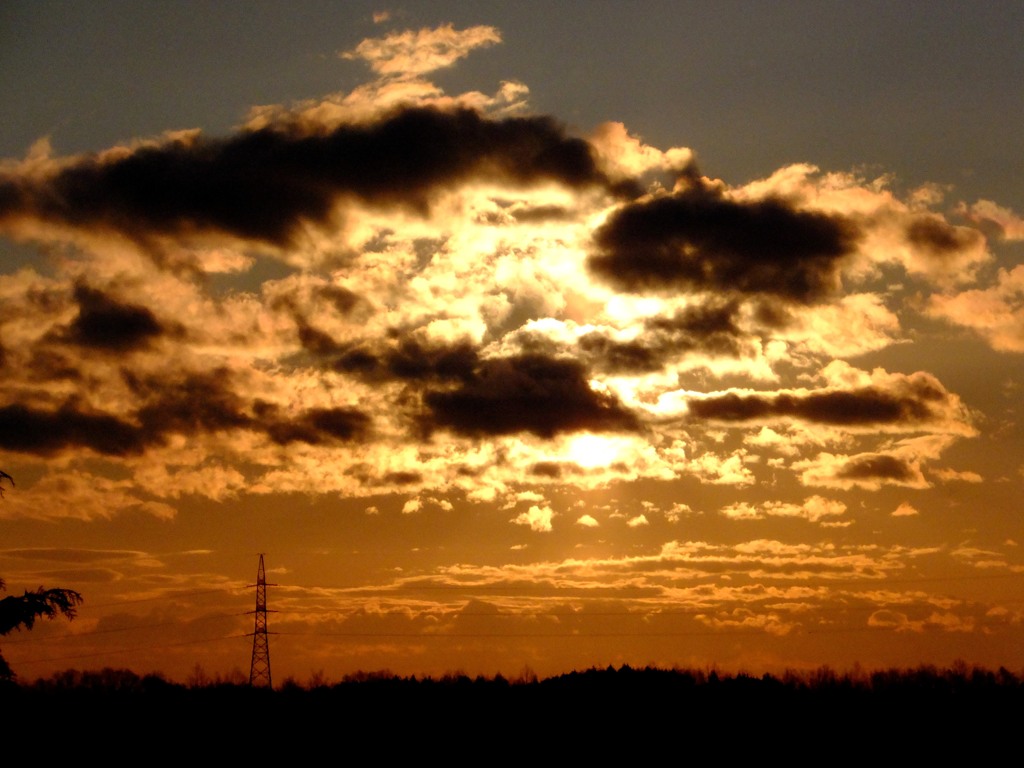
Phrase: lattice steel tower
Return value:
(259, 672)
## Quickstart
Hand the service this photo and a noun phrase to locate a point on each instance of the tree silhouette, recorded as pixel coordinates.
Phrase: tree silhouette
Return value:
(17, 612)
(22, 611)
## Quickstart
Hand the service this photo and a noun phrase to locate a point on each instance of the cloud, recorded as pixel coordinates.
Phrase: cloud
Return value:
(814, 509)
(412, 53)
(530, 393)
(901, 622)
(394, 291)
(745, 619)
(854, 324)
(46, 432)
(844, 408)
(905, 509)
(700, 239)
(317, 425)
(880, 466)
(709, 329)
(949, 475)
(939, 239)
(817, 508)
(676, 511)
(1010, 225)
(587, 521)
(188, 404)
(869, 471)
(709, 467)
(995, 313)
(103, 323)
(741, 510)
(266, 185)
(627, 157)
(790, 561)
(537, 518)
(410, 360)
(877, 401)
(768, 438)
(76, 495)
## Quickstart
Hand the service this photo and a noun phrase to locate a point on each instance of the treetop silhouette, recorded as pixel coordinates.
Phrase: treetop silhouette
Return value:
(17, 611)
(22, 611)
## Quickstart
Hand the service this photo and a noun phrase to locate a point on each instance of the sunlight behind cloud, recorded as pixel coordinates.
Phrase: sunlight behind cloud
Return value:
(589, 451)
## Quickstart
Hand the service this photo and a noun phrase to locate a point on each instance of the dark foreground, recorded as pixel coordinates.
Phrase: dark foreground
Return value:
(636, 714)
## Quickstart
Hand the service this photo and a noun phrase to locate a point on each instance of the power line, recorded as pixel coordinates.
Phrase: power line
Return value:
(121, 651)
(114, 630)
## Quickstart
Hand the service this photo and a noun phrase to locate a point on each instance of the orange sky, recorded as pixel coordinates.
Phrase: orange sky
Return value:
(492, 390)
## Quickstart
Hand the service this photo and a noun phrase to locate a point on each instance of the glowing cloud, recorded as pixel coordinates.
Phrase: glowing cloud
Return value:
(537, 518)
(417, 52)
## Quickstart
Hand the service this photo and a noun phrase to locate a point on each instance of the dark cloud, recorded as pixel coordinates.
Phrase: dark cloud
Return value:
(539, 213)
(45, 433)
(409, 360)
(863, 407)
(701, 320)
(318, 425)
(326, 296)
(413, 360)
(607, 354)
(878, 466)
(709, 329)
(524, 214)
(550, 469)
(403, 478)
(698, 239)
(194, 403)
(528, 393)
(772, 314)
(341, 299)
(314, 340)
(358, 361)
(207, 403)
(940, 238)
(51, 365)
(262, 185)
(107, 324)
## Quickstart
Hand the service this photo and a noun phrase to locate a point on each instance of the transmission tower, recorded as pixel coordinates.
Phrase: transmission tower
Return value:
(259, 672)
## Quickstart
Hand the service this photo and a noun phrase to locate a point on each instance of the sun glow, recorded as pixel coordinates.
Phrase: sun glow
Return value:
(591, 451)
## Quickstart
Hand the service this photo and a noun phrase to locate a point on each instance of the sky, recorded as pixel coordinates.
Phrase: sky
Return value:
(517, 337)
